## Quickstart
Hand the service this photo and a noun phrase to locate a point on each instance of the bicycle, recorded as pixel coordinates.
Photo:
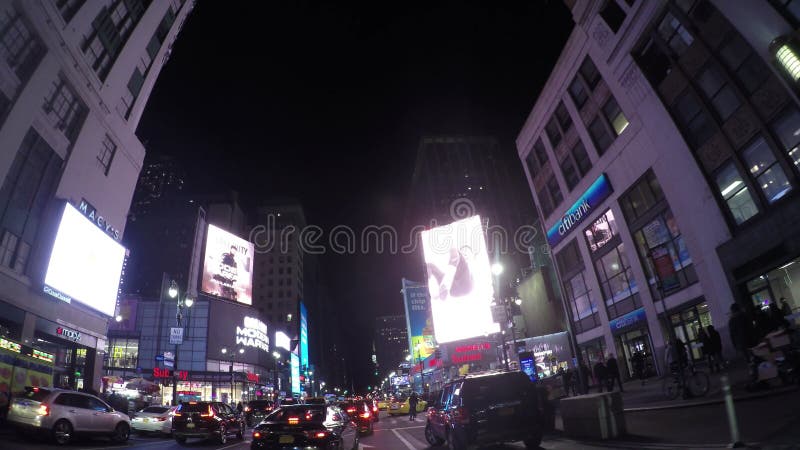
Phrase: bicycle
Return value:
(696, 382)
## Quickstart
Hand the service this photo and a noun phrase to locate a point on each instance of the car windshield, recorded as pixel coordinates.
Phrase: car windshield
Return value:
(193, 407)
(34, 393)
(297, 414)
(155, 409)
(483, 391)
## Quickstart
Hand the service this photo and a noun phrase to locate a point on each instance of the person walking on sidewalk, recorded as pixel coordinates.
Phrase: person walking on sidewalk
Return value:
(412, 406)
(600, 374)
(566, 381)
(638, 363)
(714, 350)
(613, 373)
(742, 332)
(585, 375)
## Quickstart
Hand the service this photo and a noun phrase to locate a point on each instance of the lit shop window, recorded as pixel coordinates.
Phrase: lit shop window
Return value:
(601, 231)
(764, 168)
(787, 129)
(734, 191)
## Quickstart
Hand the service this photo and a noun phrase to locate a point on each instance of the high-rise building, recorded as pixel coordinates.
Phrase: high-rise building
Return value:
(75, 77)
(391, 341)
(662, 153)
(162, 178)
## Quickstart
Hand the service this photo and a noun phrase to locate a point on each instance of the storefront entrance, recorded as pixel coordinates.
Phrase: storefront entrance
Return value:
(630, 343)
(780, 283)
(71, 369)
(686, 326)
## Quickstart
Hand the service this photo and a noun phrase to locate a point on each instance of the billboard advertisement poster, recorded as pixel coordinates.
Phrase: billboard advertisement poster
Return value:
(85, 264)
(236, 327)
(295, 366)
(459, 280)
(303, 336)
(282, 341)
(418, 319)
(228, 266)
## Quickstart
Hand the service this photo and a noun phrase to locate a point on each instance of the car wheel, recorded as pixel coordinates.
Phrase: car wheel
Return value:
(121, 433)
(223, 435)
(534, 441)
(180, 440)
(62, 432)
(431, 437)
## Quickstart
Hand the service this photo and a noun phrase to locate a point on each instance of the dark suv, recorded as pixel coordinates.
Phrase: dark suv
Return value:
(205, 420)
(490, 408)
(256, 410)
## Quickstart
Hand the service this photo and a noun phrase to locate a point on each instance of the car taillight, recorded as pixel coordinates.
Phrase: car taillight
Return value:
(246, 409)
(365, 415)
(351, 410)
(162, 419)
(43, 410)
(374, 409)
(461, 415)
(316, 434)
(177, 414)
(256, 435)
(294, 420)
(210, 413)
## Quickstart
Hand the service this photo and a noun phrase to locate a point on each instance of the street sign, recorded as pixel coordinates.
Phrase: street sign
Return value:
(168, 363)
(176, 335)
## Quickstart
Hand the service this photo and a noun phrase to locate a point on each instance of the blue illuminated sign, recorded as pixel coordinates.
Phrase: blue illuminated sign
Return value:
(580, 210)
(295, 365)
(628, 320)
(303, 337)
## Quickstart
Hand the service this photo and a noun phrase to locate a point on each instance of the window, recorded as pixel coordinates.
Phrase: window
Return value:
(123, 353)
(655, 64)
(614, 116)
(617, 282)
(718, 92)
(764, 168)
(541, 153)
(787, 128)
(613, 15)
(64, 108)
(570, 174)
(27, 188)
(600, 135)
(552, 132)
(564, 119)
(695, 122)
(676, 36)
(790, 9)
(601, 231)
(581, 158)
(109, 32)
(106, 155)
(578, 92)
(20, 47)
(68, 8)
(589, 73)
(555, 192)
(544, 201)
(582, 303)
(733, 190)
(533, 166)
(747, 67)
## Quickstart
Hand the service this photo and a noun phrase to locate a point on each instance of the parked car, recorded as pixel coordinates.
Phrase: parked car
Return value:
(256, 410)
(207, 420)
(491, 408)
(63, 414)
(361, 413)
(308, 427)
(154, 419)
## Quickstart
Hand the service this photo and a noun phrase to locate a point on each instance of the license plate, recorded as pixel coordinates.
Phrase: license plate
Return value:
(395, 407)
(145, 420)
(285, 439)
(189, 425)
(505, 411)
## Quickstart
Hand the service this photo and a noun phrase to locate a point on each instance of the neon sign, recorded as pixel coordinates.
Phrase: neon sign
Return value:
(253, 333)
(580, 210)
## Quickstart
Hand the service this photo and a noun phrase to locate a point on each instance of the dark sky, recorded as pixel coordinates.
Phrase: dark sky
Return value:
(327, 103)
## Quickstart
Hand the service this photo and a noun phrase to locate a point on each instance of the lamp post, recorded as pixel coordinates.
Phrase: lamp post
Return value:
(224, 351)
(497, 269)
(182, 302)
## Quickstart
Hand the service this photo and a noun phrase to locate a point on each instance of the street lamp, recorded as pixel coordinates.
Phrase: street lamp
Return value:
(497, 269)
(173, 289)
(187, 301)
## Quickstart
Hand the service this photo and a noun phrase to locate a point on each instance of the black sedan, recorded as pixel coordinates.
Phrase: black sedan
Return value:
(308, 427)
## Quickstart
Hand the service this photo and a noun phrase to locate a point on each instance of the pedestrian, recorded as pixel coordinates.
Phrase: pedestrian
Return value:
(566, 381)
(637, 361)
(776, 318)
(715, 349)
(742, 331)
(239, 408)
(763, 324)
(585, 374)
(705, 344)
(412, 406)
(600, 374)
(612, 370)
(785, 307)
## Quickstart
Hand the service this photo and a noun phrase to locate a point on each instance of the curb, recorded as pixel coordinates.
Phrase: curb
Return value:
(744, 397)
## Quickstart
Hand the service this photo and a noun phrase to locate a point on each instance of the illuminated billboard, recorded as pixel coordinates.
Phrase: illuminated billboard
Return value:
(85, 264)
(459, 280)
(303, 337)
(295, 364)
(418, 319)
(228, 266)
(282, 341)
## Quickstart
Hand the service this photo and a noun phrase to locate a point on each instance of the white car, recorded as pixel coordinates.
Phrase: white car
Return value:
(154, 419)
(63, 414)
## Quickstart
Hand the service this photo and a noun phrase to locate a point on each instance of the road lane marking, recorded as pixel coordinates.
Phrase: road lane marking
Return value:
(403, 440)
(233, 445)
(117, 447)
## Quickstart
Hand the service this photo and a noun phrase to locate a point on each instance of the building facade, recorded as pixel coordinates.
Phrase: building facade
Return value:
(75, 77)
(662, 156)
(391, 341)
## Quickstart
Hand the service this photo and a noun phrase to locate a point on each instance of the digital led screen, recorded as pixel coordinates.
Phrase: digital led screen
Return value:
(85, 265)
(459, 280)
(228, 266)
(295, 366)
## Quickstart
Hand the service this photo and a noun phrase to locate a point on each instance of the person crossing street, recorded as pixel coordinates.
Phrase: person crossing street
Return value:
(412, 406)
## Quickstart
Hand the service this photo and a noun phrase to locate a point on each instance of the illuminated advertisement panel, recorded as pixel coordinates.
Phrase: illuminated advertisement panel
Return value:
(597, 193)
(418, 319)
(228, 266)
(459, 280)
(85, 264)
(303, 336)
(295, 364)
(282, 341)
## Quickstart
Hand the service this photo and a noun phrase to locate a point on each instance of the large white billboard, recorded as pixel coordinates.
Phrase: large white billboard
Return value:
(228, 266)
(85, 264)
(459, 280)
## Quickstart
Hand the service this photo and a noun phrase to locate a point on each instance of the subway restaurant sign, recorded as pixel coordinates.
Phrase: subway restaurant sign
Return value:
(597, 193)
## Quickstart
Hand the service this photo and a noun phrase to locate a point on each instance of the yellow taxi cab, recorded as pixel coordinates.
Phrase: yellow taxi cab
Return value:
(401, 407)
(383, 404)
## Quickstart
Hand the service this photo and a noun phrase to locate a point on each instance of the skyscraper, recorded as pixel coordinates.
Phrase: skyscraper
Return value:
(391, 341)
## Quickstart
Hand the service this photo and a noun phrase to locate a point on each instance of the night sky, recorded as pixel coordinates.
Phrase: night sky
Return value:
(327, 103)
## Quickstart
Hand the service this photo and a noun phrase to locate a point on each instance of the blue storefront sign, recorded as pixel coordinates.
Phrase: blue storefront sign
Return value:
(580, 210)
(630, 320)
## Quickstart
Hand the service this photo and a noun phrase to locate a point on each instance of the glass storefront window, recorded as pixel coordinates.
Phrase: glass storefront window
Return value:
(582, 303)
(617, 282)
(601, 231)
(123, 353)
(782, 282)
(686, 326)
